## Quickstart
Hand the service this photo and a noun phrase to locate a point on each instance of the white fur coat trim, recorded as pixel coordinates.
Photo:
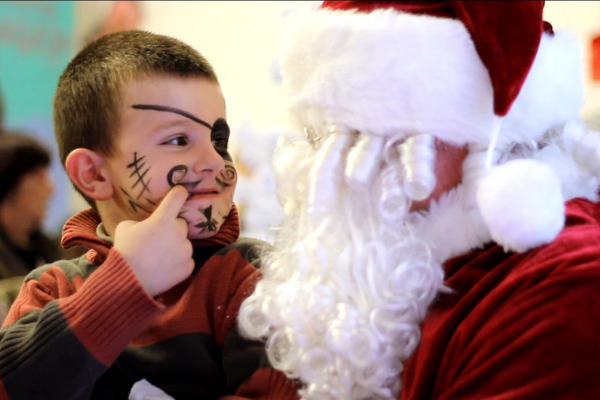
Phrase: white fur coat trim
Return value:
(452, 226)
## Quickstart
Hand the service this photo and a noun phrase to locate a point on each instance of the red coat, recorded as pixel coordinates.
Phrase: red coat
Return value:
(518, 326)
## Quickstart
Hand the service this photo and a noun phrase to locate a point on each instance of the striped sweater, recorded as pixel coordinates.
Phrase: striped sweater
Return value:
(86, 329)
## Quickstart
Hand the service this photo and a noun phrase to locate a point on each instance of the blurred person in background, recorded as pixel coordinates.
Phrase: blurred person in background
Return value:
(25, 189)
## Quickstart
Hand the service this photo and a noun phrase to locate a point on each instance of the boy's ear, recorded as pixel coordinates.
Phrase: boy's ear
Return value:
(86, 170)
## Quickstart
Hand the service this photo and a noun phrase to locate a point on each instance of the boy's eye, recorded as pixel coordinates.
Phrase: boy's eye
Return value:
(177, 141)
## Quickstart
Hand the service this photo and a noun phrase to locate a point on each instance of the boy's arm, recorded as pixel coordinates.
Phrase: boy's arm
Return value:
(249, 374)
(62, 334)
(242, 357)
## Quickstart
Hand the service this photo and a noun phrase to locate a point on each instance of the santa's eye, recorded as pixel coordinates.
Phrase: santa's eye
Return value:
(177, 141)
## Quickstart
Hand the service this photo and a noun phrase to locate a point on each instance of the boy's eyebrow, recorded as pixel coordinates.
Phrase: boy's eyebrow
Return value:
(173, 110)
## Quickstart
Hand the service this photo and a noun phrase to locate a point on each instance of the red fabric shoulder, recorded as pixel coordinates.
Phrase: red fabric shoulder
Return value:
(517, 326)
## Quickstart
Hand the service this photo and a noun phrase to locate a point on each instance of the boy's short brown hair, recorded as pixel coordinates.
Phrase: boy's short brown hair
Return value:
(87, 100)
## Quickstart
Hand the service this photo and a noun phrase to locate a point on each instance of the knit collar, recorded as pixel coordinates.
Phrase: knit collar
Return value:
(80, 229)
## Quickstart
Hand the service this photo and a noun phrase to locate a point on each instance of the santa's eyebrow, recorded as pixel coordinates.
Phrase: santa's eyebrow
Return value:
(156, 107)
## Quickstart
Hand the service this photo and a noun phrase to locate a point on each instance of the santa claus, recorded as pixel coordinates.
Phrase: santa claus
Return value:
(441, 238)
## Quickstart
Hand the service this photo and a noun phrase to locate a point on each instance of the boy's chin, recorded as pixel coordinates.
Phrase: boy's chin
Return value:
(194, 234)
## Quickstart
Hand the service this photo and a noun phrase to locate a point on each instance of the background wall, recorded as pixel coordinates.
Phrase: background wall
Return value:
(241, 39)
(583, 19)
(35, 47)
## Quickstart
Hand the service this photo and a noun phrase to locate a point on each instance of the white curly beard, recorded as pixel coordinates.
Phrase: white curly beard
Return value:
(343, 292)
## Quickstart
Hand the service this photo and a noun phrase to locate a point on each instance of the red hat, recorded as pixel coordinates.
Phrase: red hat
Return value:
(442, 67)
(448, 69)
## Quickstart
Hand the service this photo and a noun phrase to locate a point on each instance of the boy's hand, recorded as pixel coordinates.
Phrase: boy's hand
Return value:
(157, 248)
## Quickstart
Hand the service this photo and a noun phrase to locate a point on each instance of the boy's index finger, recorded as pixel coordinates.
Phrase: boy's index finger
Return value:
(171, 204)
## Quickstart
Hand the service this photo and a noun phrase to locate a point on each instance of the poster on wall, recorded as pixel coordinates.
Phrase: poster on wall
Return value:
(35, 47)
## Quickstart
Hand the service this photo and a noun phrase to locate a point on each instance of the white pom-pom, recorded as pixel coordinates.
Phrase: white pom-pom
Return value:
(522, 204)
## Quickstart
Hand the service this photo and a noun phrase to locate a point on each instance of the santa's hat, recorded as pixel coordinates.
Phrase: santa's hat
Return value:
(490, 74)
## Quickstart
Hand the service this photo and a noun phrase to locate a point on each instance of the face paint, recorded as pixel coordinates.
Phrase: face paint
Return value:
(140, 170)
(219, 135)
(228, 177)
(210, 224)
(137, 165)
(176, 174)
(134, 205)
(172, 110)
(219, 130)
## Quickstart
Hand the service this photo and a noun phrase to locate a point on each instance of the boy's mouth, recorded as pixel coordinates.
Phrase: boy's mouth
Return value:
(202, 193)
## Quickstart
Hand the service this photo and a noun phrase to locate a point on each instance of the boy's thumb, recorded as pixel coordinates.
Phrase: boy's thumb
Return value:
(171, 204)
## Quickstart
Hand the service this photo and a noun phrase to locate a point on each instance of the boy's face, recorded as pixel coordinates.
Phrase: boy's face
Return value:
(173, 131)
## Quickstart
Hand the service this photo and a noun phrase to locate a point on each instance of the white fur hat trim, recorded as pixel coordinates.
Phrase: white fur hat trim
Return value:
(389, 73)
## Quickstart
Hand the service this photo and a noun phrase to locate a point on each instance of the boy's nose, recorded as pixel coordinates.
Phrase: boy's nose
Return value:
(208, 160)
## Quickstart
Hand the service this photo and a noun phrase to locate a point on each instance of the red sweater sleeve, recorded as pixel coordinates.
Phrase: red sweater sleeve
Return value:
(64, 331)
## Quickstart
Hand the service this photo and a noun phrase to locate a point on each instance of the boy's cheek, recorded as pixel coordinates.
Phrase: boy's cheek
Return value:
(229, 176)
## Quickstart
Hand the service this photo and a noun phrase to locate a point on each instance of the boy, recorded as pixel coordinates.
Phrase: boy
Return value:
(141, 127)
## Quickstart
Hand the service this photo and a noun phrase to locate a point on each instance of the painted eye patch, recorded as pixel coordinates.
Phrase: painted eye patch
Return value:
(219, 131)
(173, 110)
(220, 138)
